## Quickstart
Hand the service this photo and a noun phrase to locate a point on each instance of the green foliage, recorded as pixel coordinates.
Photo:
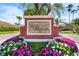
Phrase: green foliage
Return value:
(57, 9)
(36, 46)
(69, 7)
(65, 47)
(62, 47)
(19, 19)
(66, 27)
(33, 10)
(76, 21)
(8, 28)
(8, 48)
(8, 32)
(44, 9)
(75, 24)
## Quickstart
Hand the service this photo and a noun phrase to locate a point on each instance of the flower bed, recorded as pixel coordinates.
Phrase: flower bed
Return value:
(14, 48)
(14, 39)
(58, 47)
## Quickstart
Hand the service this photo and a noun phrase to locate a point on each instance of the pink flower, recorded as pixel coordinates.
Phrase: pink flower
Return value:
(20, 54)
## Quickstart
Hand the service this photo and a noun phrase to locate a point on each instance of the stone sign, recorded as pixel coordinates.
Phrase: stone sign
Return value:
(37, 27)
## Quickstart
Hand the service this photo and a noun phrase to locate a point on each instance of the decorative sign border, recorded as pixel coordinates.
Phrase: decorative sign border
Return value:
(28, 33)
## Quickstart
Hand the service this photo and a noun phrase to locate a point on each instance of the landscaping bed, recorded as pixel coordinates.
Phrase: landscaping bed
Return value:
(57, 47)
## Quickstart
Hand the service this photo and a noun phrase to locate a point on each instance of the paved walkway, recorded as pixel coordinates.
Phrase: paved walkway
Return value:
(4, 37)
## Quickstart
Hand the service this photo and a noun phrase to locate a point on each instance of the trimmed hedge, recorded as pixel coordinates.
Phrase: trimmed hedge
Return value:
(8, 28)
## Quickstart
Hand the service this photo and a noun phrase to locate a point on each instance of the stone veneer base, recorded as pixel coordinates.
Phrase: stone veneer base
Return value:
(40, 40)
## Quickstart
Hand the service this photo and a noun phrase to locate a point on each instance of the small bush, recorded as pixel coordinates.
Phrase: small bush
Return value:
(8, 28)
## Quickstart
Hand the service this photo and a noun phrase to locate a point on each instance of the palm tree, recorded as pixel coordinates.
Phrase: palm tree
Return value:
(38, 9)
(69, 9)
(77, 7)
(19, 19)
(73, 13)
(43, 9)
(57, 9)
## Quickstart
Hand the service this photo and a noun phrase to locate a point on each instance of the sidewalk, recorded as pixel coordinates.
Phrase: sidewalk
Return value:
(4, 37)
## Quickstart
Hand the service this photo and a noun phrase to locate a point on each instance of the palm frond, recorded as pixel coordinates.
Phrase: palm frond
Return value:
(57, 8)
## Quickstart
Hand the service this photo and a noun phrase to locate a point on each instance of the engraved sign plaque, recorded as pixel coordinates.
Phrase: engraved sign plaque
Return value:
(38, 27)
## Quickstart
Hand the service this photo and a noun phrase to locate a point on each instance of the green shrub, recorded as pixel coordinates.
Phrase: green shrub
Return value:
(36, 46)
(8, 28)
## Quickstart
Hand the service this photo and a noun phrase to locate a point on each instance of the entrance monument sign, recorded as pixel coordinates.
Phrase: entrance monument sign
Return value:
(38, 27)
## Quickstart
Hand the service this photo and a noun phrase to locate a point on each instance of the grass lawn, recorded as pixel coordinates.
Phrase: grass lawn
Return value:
(72, 33)
(8, 32)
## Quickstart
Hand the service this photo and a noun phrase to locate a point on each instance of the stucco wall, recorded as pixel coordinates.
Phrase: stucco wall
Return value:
(55, 32)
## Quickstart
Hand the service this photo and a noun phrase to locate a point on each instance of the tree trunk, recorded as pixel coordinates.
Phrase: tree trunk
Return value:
(72, 15)
(37, 8)
(69, 17)
(49, 8)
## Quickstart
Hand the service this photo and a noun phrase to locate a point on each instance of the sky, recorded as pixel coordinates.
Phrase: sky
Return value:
(65, 15)
(9, 11)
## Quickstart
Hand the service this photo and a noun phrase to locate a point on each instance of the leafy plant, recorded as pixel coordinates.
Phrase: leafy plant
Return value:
(9, 47)
(75, 24)
(64, 46)
(36, 46)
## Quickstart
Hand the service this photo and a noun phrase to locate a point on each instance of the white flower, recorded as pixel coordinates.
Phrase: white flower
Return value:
(60, 47)
(68, 52)
(4, 47)
(55, 42)
(60, 52)
(57, 46)
(14, 49)
(49, 42)
(10, 44)
(4, 51)
(8, 49)
(75, 54)
(53, 47)
(66, 45)
(47, 46)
